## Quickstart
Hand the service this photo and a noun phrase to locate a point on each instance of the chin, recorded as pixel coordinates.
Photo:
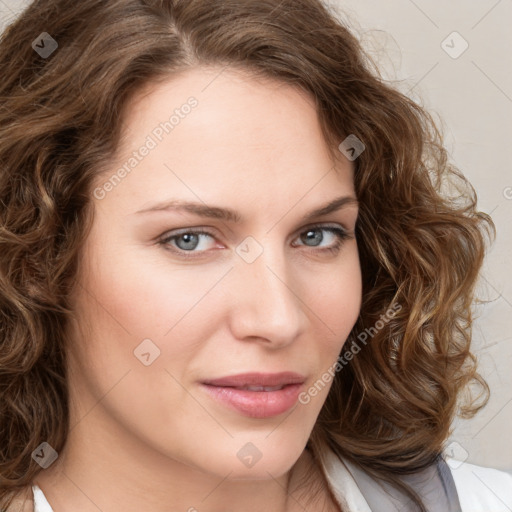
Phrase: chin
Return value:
(260, 460)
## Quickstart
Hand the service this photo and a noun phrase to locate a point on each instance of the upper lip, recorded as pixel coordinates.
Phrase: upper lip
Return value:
(258, 379)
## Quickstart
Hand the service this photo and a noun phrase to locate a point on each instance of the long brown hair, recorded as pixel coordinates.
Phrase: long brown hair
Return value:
(390, 409)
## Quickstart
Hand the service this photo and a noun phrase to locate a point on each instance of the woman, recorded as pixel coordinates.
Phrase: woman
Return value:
(229, 279)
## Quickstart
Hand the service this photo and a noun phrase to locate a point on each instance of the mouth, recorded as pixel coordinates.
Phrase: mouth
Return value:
(256, 395)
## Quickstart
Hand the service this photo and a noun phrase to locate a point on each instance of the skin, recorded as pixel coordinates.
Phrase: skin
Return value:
(148, 437)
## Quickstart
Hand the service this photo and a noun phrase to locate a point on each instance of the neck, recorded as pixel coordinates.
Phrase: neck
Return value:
(100, 473)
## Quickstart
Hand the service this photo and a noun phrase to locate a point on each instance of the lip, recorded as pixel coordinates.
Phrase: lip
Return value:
(256, 404)
(257, 379)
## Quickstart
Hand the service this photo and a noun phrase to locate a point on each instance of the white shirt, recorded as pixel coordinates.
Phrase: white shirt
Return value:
(480, 489)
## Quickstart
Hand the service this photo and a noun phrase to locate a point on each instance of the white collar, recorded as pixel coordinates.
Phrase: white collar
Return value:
(342, 484)
(40, 502)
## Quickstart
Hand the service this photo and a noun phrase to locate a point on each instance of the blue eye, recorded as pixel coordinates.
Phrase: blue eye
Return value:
(186, 242)
(313, 234)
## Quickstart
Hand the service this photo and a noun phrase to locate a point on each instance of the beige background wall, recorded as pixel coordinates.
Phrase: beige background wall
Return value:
(471, 90)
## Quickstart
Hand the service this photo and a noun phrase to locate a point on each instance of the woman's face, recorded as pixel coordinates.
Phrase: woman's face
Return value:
(163, 309)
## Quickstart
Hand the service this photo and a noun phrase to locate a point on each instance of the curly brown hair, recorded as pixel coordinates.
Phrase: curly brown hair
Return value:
(391, 408)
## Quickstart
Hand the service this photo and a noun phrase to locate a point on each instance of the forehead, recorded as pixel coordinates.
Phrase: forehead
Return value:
(244, 134)
(232, 97)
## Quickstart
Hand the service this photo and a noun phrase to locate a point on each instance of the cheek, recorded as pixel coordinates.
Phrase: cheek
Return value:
(150, 299)
(336, 300)
(124, 307)
(336, 310)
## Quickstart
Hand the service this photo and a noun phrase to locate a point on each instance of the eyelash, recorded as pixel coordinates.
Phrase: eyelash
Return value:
(340, 233)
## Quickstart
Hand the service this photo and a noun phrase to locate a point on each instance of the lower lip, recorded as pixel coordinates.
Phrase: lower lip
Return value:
(256, 404)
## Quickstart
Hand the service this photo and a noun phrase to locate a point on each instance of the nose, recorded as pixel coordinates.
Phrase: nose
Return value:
(266, 304)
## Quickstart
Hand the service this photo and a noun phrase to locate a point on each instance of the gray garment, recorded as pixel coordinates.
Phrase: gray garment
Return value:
(357, 491)
(434, 485)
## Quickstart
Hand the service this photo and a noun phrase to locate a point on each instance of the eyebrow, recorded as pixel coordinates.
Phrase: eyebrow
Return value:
(230, 215)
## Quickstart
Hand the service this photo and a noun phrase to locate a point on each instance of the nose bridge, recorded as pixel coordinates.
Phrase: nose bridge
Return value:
(266, 305)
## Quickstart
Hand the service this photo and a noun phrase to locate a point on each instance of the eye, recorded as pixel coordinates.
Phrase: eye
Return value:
(314, 236)
(187, 241)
